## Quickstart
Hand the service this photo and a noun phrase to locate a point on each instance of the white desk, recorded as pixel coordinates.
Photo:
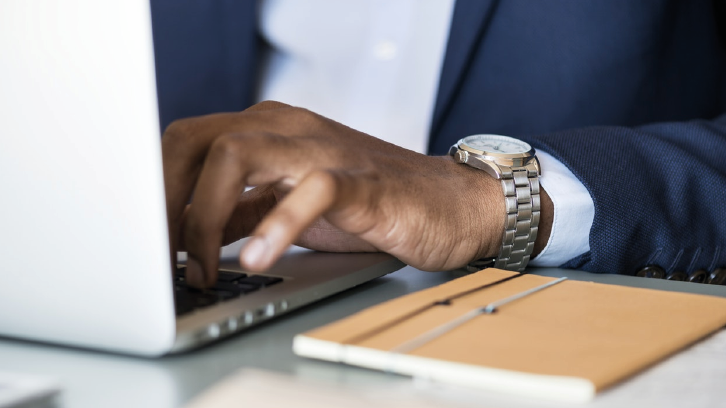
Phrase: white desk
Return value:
(694, 378)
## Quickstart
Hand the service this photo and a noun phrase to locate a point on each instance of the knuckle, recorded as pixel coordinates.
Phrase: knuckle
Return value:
(302, 116)
(269, 104)
(227, 146)
(324, 181)
(178, 136)
(243, 145)
(177, 129)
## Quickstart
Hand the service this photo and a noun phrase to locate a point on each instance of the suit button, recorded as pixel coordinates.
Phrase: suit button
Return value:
(717, 277)
(651, 271)
(677, 276)
(699, 276)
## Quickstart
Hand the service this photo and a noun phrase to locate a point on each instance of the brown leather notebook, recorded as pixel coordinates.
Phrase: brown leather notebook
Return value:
(559, 340)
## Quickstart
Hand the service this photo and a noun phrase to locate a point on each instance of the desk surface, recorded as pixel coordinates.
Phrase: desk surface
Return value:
(692, 378)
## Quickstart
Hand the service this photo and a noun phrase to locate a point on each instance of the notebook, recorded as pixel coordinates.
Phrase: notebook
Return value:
(517, 333)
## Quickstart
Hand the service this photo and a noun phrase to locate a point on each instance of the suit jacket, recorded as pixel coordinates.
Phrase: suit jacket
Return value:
(626, 93)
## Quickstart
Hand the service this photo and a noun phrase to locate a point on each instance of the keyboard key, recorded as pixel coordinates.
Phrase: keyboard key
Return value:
(226, 291)
(260, 280)
(224, 276)
(226, 294)
(225, 286)
(245, 288)
(186, 302)
(205, 299)
(187, 299)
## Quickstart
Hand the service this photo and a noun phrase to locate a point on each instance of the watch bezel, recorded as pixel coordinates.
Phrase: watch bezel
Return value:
(505, 159)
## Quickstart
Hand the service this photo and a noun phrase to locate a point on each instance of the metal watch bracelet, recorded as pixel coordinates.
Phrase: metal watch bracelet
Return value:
(521, 197)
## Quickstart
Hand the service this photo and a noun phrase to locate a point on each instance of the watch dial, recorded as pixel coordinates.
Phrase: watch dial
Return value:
(497, 144)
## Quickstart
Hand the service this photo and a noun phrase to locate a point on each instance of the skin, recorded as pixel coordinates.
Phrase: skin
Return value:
(324, 186)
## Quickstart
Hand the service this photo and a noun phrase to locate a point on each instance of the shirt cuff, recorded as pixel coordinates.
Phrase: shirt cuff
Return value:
(574, 212)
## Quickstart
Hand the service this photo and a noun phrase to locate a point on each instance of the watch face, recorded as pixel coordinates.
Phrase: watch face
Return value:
(496, 144)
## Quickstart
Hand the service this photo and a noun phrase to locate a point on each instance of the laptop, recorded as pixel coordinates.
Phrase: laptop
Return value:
(83, 231)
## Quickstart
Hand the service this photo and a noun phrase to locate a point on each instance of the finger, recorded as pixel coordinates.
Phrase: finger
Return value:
(349, 198)
(323, 236)
(251, 208)
(184, 146)
(233, 160)
(312, 197)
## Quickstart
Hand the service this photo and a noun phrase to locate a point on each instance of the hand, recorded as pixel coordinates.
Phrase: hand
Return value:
(320, 185)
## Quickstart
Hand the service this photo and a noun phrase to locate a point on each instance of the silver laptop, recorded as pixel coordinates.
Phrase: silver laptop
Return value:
(83, 235)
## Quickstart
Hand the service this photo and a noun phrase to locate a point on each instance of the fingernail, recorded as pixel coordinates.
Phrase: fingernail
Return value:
(255, 252)
(195, 273)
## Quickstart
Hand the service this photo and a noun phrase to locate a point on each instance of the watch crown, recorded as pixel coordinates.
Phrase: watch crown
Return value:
(461, 156)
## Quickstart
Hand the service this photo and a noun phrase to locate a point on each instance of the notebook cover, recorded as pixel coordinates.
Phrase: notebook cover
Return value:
(566, 342)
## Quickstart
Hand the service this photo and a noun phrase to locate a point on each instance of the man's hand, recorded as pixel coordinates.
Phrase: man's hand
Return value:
(320, 185)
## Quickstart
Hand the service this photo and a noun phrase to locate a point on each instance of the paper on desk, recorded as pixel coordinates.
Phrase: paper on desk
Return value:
(26, 391)
(266, 389)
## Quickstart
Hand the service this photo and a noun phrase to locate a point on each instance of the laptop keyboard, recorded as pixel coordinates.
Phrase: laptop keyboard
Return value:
(230, 285)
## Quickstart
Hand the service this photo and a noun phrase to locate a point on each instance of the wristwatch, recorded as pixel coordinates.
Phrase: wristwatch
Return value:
(514, 163)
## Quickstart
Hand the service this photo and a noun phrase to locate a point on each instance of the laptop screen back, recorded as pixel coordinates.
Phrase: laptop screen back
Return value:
(83, 232)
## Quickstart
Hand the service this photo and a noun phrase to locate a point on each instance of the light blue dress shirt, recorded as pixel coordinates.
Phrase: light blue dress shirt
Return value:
(379, 74)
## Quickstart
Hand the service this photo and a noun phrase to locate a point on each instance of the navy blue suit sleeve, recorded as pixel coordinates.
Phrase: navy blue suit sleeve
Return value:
(581, 80)
(659, 192)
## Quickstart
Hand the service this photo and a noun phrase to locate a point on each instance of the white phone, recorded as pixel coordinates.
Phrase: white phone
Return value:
(27, 391)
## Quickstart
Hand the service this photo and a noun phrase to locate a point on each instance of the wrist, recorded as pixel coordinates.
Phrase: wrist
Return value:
(480, 210)
(484, 212)
(546, 217)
